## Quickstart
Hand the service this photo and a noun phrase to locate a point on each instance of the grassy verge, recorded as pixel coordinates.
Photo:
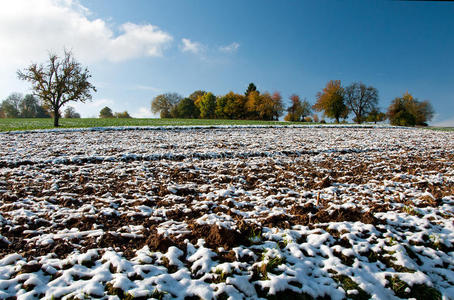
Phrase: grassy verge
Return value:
(29, 124)
(441, 128)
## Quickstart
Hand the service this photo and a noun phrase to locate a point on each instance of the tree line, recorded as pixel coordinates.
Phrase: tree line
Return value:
(106, 112)
(17, 105)
(334, 101)
(205, 105)
(63, 79)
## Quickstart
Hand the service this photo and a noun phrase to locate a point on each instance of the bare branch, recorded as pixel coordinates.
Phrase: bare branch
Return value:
(60, 81)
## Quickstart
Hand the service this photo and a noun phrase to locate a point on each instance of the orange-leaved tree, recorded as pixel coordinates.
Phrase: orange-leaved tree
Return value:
(331, 101)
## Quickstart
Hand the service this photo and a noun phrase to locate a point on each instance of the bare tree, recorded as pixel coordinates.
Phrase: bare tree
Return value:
(164, 103)
(70, 113)
(361, 100)
(58, 82)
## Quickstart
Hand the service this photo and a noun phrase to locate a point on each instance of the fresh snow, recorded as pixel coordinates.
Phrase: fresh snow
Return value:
(115, 212)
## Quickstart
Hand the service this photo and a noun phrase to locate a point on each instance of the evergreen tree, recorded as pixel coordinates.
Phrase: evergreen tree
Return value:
(251, 88)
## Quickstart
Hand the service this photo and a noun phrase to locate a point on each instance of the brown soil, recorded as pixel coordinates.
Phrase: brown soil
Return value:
(216, 236)
(126, 245)
(310, 215)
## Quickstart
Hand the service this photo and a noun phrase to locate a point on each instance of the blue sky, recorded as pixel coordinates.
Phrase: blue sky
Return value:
(218, 46)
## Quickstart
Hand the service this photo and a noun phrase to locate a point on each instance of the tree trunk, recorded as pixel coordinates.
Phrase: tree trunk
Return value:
(56, 117)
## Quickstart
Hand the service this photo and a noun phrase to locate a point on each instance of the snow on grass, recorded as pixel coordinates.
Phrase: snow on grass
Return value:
(227, 212)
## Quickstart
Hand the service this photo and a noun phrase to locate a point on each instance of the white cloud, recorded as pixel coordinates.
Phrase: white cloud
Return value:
(189, 46)
(144, 112)
(231, 48)
(29, 29)
(137, 41)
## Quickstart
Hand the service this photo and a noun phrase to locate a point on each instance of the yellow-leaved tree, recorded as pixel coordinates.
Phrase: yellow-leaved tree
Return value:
(331, 101)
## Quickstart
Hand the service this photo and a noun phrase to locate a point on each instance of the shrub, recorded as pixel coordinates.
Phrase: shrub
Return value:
(122, 115)
(408, 111)
(106, 112)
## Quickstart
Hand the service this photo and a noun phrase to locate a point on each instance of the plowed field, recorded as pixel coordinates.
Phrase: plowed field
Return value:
(227, 213)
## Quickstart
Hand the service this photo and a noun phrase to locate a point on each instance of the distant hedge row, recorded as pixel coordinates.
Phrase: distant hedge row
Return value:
(335, 101)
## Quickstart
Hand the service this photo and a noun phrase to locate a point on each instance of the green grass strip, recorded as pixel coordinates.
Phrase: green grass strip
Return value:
(30, 124)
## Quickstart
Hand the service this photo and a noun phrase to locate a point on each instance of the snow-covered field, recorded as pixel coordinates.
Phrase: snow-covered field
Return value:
(227, 213)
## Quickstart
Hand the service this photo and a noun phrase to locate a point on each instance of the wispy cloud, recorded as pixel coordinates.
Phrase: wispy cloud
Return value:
(231, 48)
(189, 46)
(444, 123)
(145, 88)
